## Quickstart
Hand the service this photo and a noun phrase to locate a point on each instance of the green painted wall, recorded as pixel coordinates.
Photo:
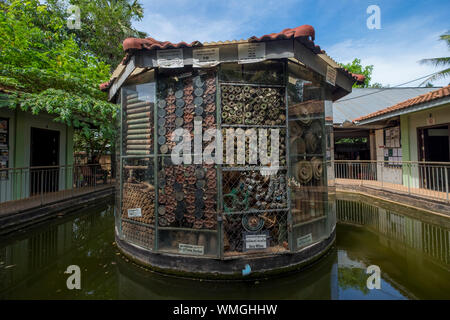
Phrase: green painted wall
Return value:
(69, 157)
(404, 136)
(20, 161)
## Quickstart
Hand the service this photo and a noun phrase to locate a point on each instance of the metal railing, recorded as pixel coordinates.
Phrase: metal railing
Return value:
(27, 187)
(426, 179)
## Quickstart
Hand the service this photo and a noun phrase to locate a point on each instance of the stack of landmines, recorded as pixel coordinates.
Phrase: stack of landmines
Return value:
(182, 102)
(254, 147)
(138, 195)
(250, 190)
(138, 234)
(188, 196)
(243, 104)
(139, 124)
(307, 206)
(208, 241)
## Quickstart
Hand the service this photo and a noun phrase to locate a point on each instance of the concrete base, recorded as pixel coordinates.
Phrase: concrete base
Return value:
(229, 269)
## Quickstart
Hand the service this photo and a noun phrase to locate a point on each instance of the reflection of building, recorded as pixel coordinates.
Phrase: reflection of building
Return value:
(428, 238)
(42, 255)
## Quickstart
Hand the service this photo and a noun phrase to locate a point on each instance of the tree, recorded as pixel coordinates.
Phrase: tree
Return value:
(45, 70)
(356, 67)
(104, 25)
(439, 62)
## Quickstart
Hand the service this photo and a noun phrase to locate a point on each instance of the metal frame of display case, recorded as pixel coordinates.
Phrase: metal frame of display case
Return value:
(219, 230)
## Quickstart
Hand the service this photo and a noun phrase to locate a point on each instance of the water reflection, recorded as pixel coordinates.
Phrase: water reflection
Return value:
(413, 255)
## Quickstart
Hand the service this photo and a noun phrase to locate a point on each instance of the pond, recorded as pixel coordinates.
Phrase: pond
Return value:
(411, 248)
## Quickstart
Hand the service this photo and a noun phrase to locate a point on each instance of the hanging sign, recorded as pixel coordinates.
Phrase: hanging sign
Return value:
(134, 213)
(255, 241)
(251, 52)
(172, 58)
(205, 57)
(331, 75)
(191, 249)
(304, 240)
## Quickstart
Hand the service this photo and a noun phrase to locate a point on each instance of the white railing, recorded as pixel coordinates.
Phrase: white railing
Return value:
(426, 179)
(27, 187)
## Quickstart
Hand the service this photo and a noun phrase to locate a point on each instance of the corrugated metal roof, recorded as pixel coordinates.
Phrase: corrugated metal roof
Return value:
(363, 101)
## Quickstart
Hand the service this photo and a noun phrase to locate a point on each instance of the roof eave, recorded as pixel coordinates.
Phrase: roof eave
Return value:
(415, 108)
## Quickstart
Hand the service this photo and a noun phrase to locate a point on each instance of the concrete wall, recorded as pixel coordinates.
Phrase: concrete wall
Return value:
(20, 124)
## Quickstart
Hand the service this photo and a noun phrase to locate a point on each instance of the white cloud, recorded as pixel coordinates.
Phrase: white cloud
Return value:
(187, 28)
(396, 58)
(182, 20)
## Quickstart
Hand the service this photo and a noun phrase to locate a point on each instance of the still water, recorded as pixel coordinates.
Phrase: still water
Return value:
(412, 251)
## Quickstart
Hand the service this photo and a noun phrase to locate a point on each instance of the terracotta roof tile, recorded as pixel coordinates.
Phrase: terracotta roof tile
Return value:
(150, 44)
(305, 32)
(427, 97)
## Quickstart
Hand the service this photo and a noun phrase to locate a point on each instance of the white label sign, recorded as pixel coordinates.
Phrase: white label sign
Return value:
(251, 52)
(304, 240)
(255, 241)
(331, 75)
(133, 213)
(205, 57)
(191, 249)
(172, 58)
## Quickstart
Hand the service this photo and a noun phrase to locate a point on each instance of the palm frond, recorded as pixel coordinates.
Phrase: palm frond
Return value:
(437, 76)
(437, 62)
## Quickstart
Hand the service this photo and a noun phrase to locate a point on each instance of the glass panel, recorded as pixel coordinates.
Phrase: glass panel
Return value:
(309, 233)
(187, 196)
(188, 242)
(138, 201)
(267, 72)
(182, 99)
(310, 156)
(251, 105)
(137, 119)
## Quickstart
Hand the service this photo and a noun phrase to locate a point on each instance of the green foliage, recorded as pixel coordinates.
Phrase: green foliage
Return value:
(352, 278)
(356, 67)
(104, 25)
(439, 62)
(355, 140)
(47, 71)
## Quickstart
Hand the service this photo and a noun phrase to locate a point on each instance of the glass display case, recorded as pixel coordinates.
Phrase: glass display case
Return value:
(264, 189)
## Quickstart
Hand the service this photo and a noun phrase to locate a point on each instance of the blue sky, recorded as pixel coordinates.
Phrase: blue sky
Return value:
(409, 29)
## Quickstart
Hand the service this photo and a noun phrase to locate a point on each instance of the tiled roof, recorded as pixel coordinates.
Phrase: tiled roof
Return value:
(423, 98)
(150, 44)
(305, 34)
(106, 85)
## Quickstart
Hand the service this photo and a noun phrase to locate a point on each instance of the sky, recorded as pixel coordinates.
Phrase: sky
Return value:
(409, 29)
